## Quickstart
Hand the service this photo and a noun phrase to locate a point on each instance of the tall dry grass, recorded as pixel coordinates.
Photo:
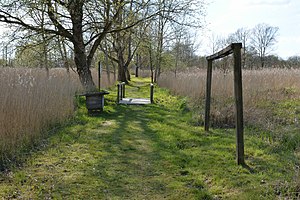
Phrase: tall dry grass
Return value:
(259, 87)
(31, 102)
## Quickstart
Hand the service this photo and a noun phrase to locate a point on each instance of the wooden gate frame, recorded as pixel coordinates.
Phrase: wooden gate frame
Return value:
(234, 48)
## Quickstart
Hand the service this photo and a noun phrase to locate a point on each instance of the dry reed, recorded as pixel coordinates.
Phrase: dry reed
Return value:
(271, 106)
(31, 102)
(259, 86)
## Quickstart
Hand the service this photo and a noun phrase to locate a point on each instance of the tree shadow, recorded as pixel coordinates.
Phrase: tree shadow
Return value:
(247, 167)
(137, 160)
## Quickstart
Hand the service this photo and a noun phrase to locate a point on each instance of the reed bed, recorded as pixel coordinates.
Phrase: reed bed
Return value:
(260, 87)
(271, 106)
(32, 101)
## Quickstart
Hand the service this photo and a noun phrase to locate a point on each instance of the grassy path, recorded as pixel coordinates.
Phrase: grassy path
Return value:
(146, 152)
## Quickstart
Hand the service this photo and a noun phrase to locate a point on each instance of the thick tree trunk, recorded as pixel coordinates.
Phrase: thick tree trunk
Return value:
(121, 62)
(81, 61)
(83, 70)
(121, 67)
(128, 74)
(122, 74)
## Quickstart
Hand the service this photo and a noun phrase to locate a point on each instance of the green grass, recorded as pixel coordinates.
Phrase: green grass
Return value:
(150, 152)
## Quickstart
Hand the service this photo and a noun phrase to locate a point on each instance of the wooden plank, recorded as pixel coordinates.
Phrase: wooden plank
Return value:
(238, 91)
(208, 95)
(224, 52)
(134, 101)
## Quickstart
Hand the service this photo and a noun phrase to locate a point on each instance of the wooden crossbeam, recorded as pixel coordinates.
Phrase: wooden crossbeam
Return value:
(224, 52)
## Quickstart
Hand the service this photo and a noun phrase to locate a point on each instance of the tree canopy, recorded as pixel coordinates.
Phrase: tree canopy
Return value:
(85, 23)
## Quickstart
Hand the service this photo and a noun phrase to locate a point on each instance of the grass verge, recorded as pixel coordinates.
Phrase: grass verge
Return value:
(150, 152)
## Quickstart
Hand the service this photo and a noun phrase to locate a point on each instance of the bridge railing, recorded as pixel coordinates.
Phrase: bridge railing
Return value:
(121, 91)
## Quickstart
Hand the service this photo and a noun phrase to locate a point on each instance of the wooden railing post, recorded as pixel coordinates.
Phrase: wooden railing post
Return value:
(118, 93)
(99, 75)
(123, 90)
(208, 95)
(151, 92)
(238, 95)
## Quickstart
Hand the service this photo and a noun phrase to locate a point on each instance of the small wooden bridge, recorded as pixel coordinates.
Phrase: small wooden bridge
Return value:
(122, 99)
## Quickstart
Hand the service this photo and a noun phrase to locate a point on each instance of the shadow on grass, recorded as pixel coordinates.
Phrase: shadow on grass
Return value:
(138, 161)
(144, 152)
(143, 158)
(247, 167)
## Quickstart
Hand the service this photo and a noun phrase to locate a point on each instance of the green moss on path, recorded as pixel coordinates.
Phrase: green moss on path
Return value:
(146, 152)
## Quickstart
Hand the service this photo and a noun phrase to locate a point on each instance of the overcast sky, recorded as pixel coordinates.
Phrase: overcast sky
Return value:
(226, 16)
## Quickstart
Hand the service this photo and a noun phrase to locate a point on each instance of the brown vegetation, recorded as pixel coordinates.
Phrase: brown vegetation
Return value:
(261, 87)
(31, 102)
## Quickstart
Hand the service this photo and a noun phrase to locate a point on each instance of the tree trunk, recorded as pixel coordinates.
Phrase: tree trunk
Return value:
(137, 65)
(122, 74)
(114, 69)
(151, 64)
(106, 62)
(161, 25)
(80, 57)
(121, 67)
(128, 74)
(262, 62)
(83, 70)
(136, 71)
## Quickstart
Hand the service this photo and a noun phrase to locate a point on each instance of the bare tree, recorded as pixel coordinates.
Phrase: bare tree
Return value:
(263, 40)
(293, 62)
(216, 43)
(183, 49)
(83, 23)
(241, 35)
(180, 12)
(126, 43)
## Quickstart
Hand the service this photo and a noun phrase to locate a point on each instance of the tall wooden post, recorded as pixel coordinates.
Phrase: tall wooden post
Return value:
(123, 90)
(238, 95)
(99, 75)
(151, 92)
(208, 95)
(136, 71)
(118, 94)
(234, 48)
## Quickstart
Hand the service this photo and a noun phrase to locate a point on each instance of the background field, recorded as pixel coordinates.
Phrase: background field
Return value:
(264, 92)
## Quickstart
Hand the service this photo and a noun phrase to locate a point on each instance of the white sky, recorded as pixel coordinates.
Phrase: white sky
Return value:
(226, 16)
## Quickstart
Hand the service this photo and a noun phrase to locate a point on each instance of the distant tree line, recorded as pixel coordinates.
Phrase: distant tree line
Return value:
(77, 34)
(156, 35)
(258, 46)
